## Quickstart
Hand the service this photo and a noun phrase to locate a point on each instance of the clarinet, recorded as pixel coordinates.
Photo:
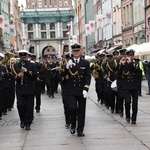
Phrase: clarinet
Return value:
(22, 66)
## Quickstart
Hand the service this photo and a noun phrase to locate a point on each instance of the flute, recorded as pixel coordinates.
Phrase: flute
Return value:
(22, 64)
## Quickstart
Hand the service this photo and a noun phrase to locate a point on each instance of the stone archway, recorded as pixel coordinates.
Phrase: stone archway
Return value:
(48, 50)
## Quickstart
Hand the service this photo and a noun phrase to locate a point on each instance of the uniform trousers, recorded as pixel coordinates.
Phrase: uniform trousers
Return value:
(11, 97)
(2, 99)
(100, 90)
(120, 100)
(65, 100)
(131, 96)
(25, 105)
(77, 105)
(38, 95)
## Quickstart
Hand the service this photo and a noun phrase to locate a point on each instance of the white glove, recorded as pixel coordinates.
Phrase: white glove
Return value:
(85, 94)
(70, 64)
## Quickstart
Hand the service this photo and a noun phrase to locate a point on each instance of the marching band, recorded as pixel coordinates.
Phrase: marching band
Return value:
(117, 84)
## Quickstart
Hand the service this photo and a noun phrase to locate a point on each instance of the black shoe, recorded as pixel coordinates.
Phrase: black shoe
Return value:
(27, 128)
(147, 93)
(107, 107)
(37, 110)
(43, 92)
(9, 109)
(22, 125)
(4, 113)
(112, 111)
(52, 96)
(72, 130)
(128, 120)
(98, 100)
(67, 126)
(133, 122)
(0, 118)
(121, 114)
(81, 134)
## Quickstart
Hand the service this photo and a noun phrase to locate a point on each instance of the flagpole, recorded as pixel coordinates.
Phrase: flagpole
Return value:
(69, 46)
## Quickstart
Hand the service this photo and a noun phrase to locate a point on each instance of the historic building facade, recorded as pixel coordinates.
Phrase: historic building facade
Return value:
(45, 25)
(147, 20)
(5, 38)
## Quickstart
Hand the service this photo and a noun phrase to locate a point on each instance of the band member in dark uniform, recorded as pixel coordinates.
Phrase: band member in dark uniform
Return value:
(9, 84)
(26, 76)
(130, 73)
(2, 84)
(97, 73)
(42, 62)
(56, 62)
(65, 89)
(39, 80)
(79, 78)
(112, 67)
(122, 54)
(106, 84)
(50, 68)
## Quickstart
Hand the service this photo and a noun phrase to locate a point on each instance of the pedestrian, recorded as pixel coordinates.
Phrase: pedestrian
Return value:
(142, 73)
(146, 65)
(26, 76)
(78, 75)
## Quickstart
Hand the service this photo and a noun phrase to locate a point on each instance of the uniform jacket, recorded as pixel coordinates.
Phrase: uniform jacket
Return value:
(2, 77)
(79, 78)
(129, 74)
(29, 78)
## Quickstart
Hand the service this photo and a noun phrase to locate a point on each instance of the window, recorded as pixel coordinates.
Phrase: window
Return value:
(64, 34)
(45, 2)
(65, 25)
(64, 29)
(52, 34)
(30, 35)
(52, 30)
(43, 26)
(52, 26)
(30, 27)
(43, 35)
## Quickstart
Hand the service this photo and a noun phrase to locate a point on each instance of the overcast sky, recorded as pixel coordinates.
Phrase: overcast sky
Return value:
(22, 2)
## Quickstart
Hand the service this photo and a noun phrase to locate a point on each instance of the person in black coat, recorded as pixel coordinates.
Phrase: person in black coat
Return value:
(39, 81)
(2, 84)
(78, 75)
(26, 75)
(130, 72)
(65, 89)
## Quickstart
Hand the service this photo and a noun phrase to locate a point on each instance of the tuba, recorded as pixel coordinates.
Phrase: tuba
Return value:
(7, 57)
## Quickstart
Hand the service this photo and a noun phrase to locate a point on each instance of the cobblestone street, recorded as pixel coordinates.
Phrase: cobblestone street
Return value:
(103, 130)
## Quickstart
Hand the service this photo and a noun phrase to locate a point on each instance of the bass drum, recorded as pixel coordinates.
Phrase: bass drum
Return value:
(114, 86)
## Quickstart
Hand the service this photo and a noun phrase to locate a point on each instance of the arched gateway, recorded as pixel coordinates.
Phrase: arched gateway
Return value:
(48, 50)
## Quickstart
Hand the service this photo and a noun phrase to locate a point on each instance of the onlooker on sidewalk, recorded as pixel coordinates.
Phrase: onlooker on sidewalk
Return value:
(146, 65)
(142, 73)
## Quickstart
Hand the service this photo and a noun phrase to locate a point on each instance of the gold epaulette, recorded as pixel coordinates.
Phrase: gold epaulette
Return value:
(87, 86)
